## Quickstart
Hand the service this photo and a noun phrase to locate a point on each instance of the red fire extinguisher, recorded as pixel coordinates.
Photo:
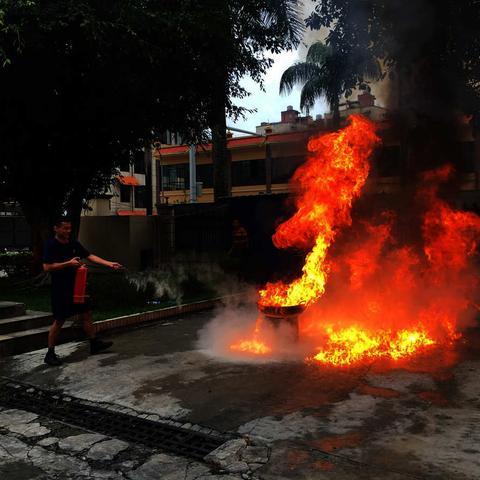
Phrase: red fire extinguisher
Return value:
(80, 284)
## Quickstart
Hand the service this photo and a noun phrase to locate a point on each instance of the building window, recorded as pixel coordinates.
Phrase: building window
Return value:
(175, 177)
(140, 194)
(173, 138)
(284, 167)
(248, 172)
(205, 175)
(125, 193)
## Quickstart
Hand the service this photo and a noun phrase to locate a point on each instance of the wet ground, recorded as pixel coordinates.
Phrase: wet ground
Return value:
(416, 420)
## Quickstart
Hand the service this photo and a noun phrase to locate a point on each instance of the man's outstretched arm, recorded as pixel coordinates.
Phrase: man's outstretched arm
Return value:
(106, 263)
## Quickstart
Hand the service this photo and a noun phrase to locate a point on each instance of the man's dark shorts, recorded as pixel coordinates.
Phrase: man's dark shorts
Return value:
(63, 280)
(62, 309)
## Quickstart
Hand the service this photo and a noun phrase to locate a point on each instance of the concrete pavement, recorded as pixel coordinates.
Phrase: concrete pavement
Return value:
(420, 422)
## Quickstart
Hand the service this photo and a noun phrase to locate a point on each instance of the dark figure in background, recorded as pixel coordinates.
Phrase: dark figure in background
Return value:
(239, 239)
(62, 258)
(239, 250)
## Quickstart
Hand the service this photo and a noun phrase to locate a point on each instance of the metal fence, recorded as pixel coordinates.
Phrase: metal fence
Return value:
(203, 232)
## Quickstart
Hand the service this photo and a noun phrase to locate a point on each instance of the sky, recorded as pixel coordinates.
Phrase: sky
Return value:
(270, 103)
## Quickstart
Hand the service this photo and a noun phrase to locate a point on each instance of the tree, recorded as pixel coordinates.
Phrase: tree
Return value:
(430, 51)
(85, 83)
(330, 72)
(242, 33)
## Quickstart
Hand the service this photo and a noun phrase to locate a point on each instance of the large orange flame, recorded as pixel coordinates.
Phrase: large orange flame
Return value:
(386, 298)
(353, 344)
(328, 182)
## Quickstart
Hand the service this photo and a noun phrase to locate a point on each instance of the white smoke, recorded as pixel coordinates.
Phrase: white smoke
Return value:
(169, 280)
(236, 320)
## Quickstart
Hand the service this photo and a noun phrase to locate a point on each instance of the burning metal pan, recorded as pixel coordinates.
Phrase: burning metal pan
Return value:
(277, 314)
(280, 311)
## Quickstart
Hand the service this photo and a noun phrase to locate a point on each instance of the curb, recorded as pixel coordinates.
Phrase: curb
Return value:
(155, 315)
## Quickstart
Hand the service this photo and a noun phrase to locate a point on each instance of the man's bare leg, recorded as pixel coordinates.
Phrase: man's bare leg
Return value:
(88, 327)
(54, 332)
(51, 358)
(96, 345)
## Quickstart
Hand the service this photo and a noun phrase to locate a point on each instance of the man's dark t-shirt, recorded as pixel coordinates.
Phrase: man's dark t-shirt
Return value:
(63, 280)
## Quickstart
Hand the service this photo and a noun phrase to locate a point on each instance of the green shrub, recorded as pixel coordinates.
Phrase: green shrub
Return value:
(16, 263)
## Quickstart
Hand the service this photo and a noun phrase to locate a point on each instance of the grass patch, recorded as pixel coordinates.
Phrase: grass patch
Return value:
(35, 298)
(112, 294)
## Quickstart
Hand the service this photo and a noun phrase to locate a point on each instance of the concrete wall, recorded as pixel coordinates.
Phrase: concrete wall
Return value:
(98, 206)
(128, 240)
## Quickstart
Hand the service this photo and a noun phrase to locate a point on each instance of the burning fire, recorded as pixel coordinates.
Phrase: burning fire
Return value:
(353, 344)
(329, 181)
(255, 345)
(384, 299)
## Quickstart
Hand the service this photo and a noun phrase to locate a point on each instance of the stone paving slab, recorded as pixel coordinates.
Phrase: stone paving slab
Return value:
(107, 450)
(78, 443)
(86, 456)
(13, 417)
(30, 429)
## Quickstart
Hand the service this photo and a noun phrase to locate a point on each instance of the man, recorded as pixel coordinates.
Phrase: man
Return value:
(62, 258)
(239, 250)
(239, 239)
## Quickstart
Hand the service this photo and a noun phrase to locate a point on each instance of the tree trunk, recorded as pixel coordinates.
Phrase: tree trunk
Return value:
(222, 172)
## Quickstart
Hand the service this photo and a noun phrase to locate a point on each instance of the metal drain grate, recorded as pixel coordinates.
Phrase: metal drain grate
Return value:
(67, 409)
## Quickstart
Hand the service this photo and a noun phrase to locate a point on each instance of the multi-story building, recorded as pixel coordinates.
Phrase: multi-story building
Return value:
(364, 105)
(291, 121)
(261, 164)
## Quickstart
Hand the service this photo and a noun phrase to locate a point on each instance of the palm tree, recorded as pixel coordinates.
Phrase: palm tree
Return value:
(330, 73)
